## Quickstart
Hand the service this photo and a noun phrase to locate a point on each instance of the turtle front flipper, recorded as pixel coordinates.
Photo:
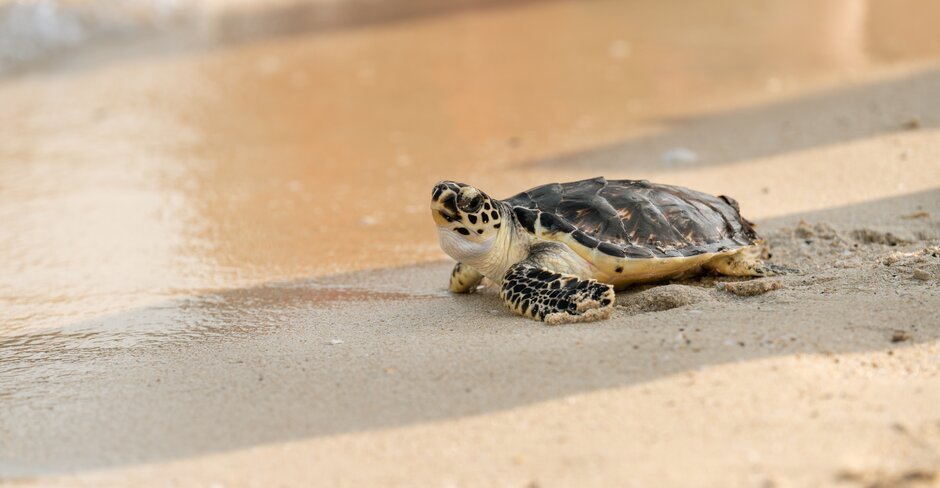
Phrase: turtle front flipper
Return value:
(464, 279)
(555, 298)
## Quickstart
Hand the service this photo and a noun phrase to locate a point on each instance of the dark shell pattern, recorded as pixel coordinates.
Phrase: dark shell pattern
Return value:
(635, 218)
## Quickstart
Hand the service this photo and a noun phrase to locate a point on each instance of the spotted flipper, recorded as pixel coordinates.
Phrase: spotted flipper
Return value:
(464, 279)
(555, 298)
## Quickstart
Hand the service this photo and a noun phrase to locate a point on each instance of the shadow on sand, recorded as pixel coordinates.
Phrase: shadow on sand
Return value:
(389, 347)
(821, 119)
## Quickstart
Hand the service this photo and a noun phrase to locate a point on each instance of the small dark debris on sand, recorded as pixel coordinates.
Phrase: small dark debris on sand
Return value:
(911, 124)
(900, 336)
(750, 288)
(661, 298)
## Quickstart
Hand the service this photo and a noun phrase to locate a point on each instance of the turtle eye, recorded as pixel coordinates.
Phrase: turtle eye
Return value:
(475, 203)
(470, 202)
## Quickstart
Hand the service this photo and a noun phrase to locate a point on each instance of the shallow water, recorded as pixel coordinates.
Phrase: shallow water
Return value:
(179, 156)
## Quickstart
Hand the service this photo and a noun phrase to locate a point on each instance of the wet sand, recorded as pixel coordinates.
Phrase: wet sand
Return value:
(217, 267)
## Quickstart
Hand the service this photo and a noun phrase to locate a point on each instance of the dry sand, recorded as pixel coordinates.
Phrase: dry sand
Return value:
(217, 268)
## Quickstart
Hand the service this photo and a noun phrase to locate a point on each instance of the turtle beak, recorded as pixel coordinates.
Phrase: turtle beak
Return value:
(444, 203)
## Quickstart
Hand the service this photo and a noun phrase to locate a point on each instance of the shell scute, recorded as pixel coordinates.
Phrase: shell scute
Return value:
(526, 217)
(611, 250)
(552, 224)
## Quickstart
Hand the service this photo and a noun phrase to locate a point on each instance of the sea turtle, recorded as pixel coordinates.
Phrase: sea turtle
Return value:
(558, 251)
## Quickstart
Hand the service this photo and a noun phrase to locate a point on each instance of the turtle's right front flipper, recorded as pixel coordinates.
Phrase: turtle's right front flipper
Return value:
(556, 298)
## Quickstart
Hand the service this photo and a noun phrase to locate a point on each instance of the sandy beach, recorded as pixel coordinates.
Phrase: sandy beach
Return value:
(218, 268)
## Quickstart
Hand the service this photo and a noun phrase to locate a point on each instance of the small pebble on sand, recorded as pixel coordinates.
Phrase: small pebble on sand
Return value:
(921, 275)
(900, 336)
(335, 342)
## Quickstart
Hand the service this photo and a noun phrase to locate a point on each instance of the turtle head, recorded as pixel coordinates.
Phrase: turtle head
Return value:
(464, 211)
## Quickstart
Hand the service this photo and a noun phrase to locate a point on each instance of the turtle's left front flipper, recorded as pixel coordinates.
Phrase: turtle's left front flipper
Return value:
(555, 298)
(464, 279)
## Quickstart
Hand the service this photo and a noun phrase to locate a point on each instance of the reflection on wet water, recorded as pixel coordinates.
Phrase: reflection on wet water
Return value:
(134, 175)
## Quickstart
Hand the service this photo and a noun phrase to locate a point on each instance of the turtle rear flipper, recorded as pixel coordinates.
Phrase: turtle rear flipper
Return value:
(538, 293)
(747, 264)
